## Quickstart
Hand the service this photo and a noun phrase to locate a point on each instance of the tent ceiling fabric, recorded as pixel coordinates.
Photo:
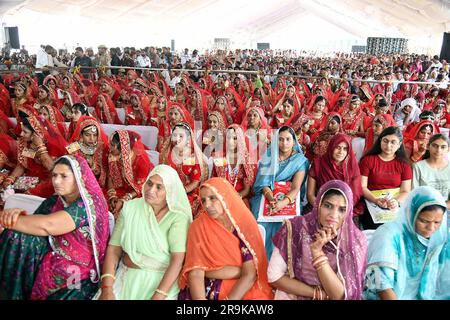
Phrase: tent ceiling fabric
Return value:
(253, 19)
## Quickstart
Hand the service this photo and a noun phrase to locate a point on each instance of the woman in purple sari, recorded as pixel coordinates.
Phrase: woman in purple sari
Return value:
(56, 252)
(321, 255)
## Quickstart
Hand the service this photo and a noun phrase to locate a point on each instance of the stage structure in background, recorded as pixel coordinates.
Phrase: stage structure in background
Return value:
(445, 49)
(222, 43)
(378, 46)
(12, 37)
(263, 45)
(359, 49)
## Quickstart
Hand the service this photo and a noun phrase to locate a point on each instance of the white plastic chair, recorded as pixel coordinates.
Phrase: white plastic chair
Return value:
(154, 157)
(358, 145)
(262, 230)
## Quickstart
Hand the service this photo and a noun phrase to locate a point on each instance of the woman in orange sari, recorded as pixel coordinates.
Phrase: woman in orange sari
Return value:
(230, 263)
(128, 168)
(184, 155)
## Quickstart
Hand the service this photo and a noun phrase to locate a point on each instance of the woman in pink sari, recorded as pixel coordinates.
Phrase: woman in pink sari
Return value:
(321, 255)
(57, 251)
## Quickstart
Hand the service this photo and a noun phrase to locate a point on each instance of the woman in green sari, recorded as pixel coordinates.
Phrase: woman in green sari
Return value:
(146, 251)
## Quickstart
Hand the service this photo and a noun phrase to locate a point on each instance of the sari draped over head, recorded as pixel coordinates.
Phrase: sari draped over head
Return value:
(195, 167)
(143, 109)
(214, 141)
(98, 162)
(108, 113)
(243, 159)
(404, 120)
(238, 104)
(85, 247)
(147, 245)
(416, 146)
(260, 137)
(227, 110)
(385, 120)
(56, 119)
(271, 170)
(55, 144)
(325, 168)
(128, 174)
(211, 246)
(401, 259)
(8, 151)
(347, 253)
(320, 140)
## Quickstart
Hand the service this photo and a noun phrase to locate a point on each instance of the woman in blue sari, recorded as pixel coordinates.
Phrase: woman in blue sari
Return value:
(283, 161)
(409, 257)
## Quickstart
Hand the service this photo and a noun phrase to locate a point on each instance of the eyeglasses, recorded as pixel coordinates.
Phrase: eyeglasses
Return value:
(393, 142)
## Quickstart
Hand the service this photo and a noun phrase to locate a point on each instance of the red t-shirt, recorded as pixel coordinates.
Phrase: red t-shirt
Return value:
(384, 174)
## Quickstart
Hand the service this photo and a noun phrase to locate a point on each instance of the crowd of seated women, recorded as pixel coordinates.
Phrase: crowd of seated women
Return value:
(259, 192)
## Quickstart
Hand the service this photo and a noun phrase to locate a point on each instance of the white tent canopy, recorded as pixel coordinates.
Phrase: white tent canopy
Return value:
(287, 24)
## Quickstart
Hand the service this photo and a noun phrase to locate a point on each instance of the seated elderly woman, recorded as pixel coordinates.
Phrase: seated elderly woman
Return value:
(225, 257)
(408, 257)
(321, 255)
(50, 254)
(149, 241)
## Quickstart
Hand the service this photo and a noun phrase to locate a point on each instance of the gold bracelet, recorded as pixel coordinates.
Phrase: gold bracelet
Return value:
(107, 275)
(289, 198)
(161, 292)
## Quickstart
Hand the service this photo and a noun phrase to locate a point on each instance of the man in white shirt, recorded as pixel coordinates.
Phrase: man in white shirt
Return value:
(435, 64)
(185, 57)
(42, 60)
(142, 60)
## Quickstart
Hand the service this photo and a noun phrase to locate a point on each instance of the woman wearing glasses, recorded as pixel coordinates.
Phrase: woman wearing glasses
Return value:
(384, 167)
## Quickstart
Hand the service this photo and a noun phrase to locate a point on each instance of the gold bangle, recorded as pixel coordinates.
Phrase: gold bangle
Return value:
(107, 275)
(161, 292)
(289, 198)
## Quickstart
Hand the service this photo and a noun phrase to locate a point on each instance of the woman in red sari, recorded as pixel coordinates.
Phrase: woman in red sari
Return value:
(416, 141)
(258, 131)
(185, 156)
(128, 168)
(234, 164)
(352, 116)
(90, 141)
(138, 113)
(301, 124)
(223, 106)
(106, 110)
(320, 140)
(338, 163)
(5, 99)
(22, 99)
(236, 103)
(175, 114)
(45, 98)
(54, 116)
(37, 148)
(8, 155)
(316, 111)
(213, 141)
(284, 113)
(6, 125)
(379, 123)
(198, 108)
